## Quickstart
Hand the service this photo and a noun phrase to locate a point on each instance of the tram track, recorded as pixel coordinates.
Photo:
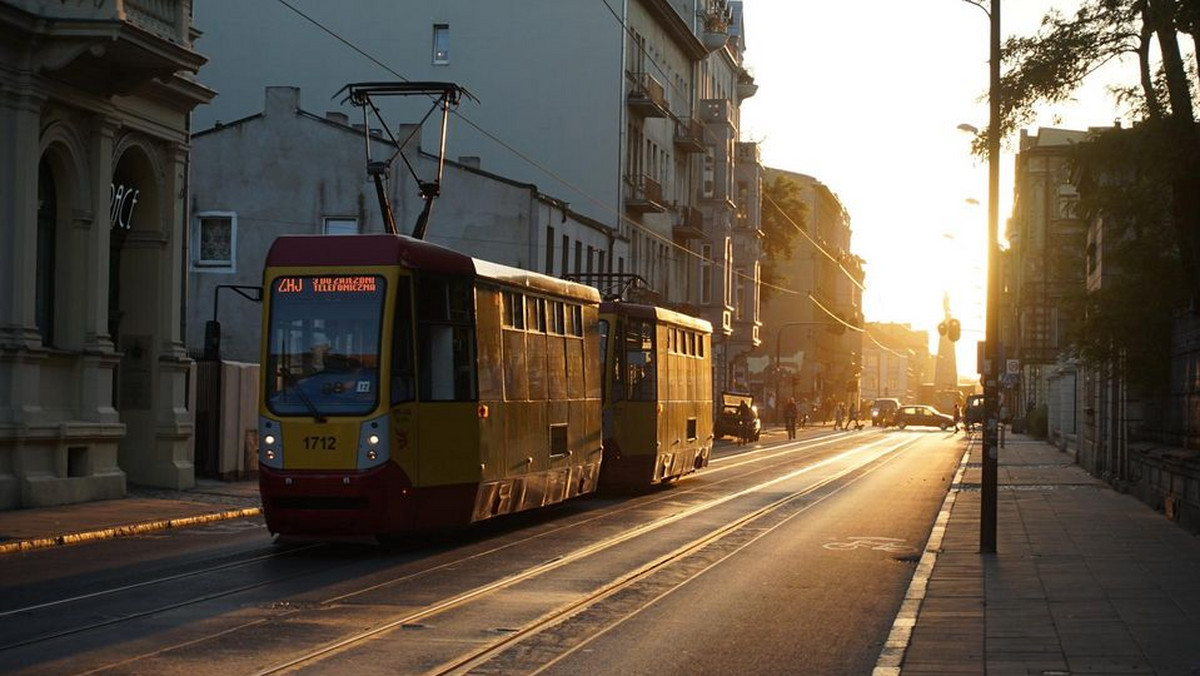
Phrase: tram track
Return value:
(591, 550)
(755, 461)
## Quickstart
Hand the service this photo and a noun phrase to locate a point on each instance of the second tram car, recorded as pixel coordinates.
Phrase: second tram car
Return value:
(409, 387)
(658, 420)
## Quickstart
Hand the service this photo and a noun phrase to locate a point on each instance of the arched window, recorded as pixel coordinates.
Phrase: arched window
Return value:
(47, 221)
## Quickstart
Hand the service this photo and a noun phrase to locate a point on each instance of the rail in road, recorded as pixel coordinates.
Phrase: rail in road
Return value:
(451, 607)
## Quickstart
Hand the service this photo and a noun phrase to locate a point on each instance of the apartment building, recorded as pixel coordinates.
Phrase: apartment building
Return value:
(815, 325)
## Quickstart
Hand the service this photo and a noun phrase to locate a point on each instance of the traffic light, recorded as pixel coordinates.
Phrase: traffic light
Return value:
(953, 330)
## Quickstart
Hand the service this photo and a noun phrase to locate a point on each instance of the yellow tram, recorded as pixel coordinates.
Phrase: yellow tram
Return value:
(409, 387)
(658, 419)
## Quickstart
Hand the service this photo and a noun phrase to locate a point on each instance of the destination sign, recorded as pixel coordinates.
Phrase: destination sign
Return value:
(328, 284)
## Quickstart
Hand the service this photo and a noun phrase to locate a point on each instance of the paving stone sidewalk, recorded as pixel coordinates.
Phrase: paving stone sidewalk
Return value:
(1085, 580)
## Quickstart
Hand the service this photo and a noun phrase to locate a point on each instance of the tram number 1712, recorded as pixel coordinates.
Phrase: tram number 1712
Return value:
(320, 443)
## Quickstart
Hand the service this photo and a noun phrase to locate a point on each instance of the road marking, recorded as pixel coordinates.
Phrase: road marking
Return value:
(876, 543)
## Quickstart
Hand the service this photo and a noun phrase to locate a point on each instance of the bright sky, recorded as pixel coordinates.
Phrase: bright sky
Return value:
(867, 96)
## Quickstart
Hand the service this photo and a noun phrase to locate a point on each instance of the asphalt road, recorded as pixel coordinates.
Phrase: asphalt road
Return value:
(780, 558)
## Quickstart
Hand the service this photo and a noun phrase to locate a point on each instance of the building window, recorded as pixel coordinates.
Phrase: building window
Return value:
(578, 258)
(216, 233)
(739, 282)
(706, 274)
(341, 226)
(47, 224)
(566, 254)
(441, 43)
(550, 249)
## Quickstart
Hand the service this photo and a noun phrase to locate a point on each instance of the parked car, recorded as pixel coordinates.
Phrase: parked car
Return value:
(920, 414)
(883, 410)
(973, 411)
(729, 421)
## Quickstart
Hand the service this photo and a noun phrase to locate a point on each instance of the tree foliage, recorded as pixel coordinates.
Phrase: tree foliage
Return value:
(1142, 182)
(784, 215)
(1121, 181)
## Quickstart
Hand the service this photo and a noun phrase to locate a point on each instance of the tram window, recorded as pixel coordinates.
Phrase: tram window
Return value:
(514, 310)
(603, 326)
(641, 370)
(577, 319)
(446, 339)
(402, 354)
(536, 308)
(557, 318)
(447, 363)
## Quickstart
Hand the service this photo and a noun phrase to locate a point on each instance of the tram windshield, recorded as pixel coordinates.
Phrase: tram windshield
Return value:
(323, 344)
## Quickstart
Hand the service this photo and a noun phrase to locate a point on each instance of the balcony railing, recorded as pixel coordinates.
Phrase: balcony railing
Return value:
(645, 196)
(689, 135)
(689, 223)
(647, 96)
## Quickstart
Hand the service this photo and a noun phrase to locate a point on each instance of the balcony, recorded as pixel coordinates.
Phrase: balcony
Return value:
(647, 96)
(129, 42)
(689, 223)
(645, 196)
(717, 111)
(689, 135)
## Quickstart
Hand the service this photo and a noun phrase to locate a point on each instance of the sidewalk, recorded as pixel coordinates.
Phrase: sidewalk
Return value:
(142, 510)
(1086, 580)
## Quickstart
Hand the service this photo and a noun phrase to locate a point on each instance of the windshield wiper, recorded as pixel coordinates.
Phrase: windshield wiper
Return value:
(291, 380)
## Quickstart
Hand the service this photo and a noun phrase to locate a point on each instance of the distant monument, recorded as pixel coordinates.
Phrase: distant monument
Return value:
(945, 374)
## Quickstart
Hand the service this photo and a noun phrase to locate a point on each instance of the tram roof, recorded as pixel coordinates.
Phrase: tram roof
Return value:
(658, 314)
(416, 254)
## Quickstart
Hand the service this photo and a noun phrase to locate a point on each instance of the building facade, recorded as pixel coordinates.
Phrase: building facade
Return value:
(815, 328)
(1046, 268)
(896, 362)
(94, 376)
(642, 135)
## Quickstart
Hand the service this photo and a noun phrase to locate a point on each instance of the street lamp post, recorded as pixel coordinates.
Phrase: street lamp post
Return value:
(991, 389)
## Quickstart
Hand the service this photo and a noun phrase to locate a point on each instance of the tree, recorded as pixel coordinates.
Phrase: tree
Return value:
(1050, 66)
(784, 215)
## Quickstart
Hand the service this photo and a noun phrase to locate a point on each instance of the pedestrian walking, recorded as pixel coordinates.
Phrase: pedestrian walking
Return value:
(853, 422)
(957, 417)
(789, 416)
(838, 413)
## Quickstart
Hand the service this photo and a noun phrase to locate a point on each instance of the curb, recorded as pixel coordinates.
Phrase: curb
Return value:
(129, 529)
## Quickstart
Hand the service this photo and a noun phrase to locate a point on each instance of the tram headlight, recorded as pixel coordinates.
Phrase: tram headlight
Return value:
(373, 443)
(270, 451)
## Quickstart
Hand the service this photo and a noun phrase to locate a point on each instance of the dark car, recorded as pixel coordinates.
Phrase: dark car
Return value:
(883, 410)
(920, 414)
(729, 421)
(973, 411)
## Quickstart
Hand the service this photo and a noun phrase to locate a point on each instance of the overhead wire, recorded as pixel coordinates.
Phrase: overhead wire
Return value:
(546, 170)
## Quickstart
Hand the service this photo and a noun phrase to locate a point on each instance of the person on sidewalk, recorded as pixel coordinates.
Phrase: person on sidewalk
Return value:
(853, 422)
(838, 414)
(789, 416)
(957, 417)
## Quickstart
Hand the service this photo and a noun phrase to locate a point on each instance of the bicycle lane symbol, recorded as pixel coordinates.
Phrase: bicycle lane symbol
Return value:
(874, 543)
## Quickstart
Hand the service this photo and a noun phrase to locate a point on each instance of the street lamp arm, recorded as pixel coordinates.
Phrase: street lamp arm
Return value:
(980, 5)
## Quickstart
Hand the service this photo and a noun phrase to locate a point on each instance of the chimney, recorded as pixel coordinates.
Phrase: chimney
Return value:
(282, 101)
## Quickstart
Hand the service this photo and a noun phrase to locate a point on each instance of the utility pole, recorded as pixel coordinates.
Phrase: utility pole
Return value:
(991, 363)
